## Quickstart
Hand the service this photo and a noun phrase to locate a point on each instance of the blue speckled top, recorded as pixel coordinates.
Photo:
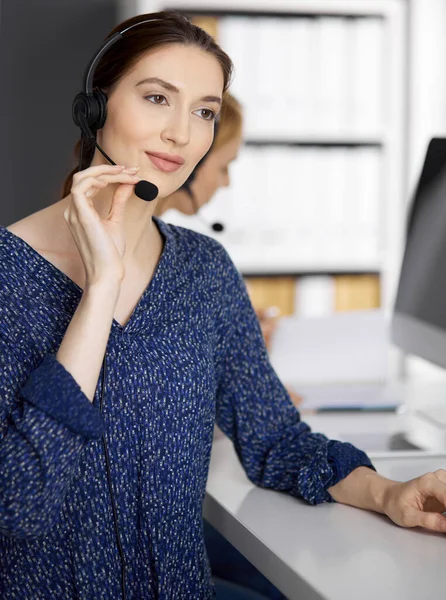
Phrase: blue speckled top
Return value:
(191, 354)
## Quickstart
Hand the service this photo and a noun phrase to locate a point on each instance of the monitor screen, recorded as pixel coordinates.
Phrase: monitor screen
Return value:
(419, 318)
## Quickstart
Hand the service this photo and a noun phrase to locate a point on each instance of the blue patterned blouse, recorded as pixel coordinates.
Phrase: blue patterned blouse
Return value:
(191, 354)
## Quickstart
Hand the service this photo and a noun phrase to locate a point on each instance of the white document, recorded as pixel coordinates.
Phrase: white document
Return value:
(343, 348)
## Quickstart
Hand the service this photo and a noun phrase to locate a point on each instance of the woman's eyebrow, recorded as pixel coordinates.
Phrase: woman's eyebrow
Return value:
(172, 88)
(216, 99)
(165, 84)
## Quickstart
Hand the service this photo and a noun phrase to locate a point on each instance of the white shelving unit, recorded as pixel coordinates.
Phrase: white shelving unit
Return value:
(261, 249)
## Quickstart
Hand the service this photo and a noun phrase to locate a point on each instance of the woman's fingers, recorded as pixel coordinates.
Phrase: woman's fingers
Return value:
(81, 176)
(108, 173)
(295, 398)
(117, 208)
(101, 242)
(431, 520)
(441, 475)
(88, 182)
(433, 487)
(97, 170)
(433, 502)
(435, 493)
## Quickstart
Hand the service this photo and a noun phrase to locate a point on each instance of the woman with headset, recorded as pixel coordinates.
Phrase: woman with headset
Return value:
(124, 338)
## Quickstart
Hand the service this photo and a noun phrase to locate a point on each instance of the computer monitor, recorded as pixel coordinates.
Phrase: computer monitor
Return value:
(419, 318)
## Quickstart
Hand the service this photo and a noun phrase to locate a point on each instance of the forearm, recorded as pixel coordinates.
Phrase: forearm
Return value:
(83, 346)
(363, 488)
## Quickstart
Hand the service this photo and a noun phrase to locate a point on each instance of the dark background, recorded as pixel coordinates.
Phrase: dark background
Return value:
(45, 46)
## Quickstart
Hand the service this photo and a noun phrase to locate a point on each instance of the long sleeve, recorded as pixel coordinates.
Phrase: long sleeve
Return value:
(45, 421)
(276, 449)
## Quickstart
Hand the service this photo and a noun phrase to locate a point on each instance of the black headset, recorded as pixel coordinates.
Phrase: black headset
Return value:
(89, 109)
(90, 106)
(218, 227)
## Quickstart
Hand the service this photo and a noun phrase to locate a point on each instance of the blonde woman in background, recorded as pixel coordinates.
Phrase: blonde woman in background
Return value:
(211, 174)
(234, 576)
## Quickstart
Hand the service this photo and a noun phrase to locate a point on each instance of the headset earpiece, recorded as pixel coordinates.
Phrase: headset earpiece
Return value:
(90, 111)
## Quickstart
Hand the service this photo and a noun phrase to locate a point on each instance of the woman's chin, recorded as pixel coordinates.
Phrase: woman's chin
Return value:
(166, 185)
(164, 191)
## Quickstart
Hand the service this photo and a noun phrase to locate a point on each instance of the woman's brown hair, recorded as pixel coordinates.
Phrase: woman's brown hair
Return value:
(164, 28)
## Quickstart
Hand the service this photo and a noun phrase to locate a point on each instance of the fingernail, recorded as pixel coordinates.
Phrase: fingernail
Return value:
(132, 169)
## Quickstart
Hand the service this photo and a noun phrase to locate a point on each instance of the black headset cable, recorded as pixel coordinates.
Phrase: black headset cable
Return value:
(106, 454)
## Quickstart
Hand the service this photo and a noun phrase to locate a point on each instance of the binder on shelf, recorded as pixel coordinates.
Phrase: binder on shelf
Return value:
(331, 78)
(363, 204)
(366, 77)
(266, 292)
(233, 33)
(357, 292)
(332, 216)
(314, 296)
(298, 52)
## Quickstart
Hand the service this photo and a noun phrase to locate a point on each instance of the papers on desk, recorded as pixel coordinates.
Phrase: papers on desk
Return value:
(354, 397)
(337, 361)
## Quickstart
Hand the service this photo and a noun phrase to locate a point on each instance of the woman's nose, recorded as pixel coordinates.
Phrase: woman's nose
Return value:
(177, 130)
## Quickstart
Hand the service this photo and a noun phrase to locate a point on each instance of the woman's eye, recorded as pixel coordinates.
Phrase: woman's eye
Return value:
(156, 98)
(207, 114)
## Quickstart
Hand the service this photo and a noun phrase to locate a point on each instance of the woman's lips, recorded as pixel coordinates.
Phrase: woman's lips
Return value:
(167, 166)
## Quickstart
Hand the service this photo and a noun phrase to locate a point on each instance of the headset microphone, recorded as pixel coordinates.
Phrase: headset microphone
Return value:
(143, 189)
(217, 227)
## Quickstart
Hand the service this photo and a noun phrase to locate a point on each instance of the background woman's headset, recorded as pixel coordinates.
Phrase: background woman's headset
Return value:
(218, 227)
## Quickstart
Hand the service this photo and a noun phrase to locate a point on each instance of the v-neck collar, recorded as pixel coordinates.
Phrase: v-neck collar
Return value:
(35, 260)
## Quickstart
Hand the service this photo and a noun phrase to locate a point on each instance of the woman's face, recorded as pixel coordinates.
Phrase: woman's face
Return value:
(214, 173)
(164, 106)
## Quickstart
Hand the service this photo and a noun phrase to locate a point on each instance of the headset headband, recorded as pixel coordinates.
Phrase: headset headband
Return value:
(90, 71)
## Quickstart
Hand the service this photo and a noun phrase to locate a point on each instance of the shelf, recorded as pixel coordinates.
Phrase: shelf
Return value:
(322, 141)
(281, 10)
(306, 270)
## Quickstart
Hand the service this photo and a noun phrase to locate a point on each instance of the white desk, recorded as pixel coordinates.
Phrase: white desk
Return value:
(329, 551)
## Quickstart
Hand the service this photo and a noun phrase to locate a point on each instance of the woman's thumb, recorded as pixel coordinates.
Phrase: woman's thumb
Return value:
(120, 197)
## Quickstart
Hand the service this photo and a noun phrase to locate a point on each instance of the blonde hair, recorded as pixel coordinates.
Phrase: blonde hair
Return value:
(230, 123)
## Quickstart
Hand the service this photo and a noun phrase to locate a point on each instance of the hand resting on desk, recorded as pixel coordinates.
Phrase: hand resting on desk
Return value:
(419, 502)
